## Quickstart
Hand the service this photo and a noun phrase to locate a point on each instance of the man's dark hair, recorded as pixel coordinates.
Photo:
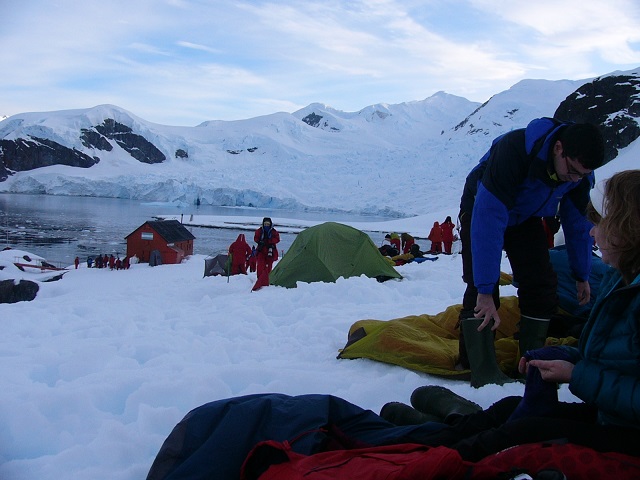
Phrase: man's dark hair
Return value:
(583, 142)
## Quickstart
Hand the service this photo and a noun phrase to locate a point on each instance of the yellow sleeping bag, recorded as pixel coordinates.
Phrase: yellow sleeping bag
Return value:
(429, 343)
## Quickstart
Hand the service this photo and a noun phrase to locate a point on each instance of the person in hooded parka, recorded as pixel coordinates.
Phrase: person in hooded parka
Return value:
(240, 252)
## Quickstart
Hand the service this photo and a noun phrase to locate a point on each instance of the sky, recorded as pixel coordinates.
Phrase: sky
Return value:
(182, 62)
(100, 367)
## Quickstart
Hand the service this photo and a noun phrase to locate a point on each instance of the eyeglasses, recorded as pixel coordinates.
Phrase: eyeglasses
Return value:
(571, 171)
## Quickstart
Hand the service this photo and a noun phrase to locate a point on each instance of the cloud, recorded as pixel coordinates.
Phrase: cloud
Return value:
(148, 49)
(573, 36)
(195, 46)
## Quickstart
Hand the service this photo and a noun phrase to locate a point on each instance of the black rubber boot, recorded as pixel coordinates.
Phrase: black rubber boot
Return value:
(550, 474)
(463, 358)
(533, 333)
(482, 355)
(402, 414)
(442, 402)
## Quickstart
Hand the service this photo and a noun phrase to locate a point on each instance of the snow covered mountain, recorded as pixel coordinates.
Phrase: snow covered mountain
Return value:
(416, 152)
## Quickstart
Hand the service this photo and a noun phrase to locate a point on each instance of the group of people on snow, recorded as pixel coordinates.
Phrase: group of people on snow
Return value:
(108, 261)
(442, 234)
(394, 244)
(404, 245)
(260, 257)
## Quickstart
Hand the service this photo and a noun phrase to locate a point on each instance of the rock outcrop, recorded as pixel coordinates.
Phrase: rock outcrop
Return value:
(136, 145)
(33, 152)
(23, 291)
(614, 103)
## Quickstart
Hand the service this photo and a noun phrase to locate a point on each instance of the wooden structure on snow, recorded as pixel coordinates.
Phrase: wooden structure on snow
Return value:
(168, 238)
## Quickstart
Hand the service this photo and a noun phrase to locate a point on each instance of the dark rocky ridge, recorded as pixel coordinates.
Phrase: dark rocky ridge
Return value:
(33, 152)
(136, 145)
(612, 102)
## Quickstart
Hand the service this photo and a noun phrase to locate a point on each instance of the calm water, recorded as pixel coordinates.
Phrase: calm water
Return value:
(60, 228)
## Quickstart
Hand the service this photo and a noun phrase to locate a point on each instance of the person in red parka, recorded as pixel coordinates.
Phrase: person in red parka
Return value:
(240, 252)
(435, 235)
(266, 237)
(447, 235)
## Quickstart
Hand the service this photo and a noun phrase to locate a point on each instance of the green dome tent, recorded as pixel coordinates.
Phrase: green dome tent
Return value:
(327, 252)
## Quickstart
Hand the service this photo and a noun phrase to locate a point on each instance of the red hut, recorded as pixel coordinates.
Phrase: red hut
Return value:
(167, 239)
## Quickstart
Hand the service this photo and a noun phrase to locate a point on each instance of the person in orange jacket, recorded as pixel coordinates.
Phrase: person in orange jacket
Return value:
(435, 235)
(447, 234)
(266, 237)
(240, 252)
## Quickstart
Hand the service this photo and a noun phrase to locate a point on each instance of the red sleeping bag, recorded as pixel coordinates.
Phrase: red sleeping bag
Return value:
(404, 461)
(273, 460)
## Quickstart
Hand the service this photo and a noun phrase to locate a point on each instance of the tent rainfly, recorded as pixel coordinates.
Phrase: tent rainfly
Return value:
(328, 251)
(217, 265)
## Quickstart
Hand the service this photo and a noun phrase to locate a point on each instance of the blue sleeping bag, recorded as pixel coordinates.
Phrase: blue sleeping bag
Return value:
(213, 440)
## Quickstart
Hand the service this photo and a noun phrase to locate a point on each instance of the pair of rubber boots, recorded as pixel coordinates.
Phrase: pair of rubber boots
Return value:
(431, 403)
(477, 350)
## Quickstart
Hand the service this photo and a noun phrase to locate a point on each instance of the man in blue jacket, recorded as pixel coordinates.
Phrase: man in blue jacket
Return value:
(545, 169)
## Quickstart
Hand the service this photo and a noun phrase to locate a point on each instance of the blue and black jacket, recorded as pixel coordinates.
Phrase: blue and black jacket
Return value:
(606, 360)
(514, 181)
